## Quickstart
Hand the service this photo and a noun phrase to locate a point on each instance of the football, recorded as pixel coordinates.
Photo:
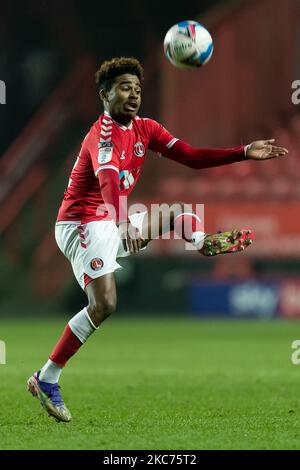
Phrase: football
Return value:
(188, 45)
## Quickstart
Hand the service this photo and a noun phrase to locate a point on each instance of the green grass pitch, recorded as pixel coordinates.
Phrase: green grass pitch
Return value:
(157, 384)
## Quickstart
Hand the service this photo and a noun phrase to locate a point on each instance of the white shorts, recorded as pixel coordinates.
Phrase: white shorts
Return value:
(93, 248)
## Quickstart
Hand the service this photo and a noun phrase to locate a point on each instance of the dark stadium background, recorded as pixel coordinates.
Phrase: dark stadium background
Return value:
(49, 52)
(168, 370)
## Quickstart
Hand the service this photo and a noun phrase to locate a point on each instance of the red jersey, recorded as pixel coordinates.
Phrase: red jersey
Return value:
(109, 145)
(110, 163)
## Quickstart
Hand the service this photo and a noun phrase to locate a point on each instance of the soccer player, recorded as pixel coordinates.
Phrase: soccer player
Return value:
(93, 228)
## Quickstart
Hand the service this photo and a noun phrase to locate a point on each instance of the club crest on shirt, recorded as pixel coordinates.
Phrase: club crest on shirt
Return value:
(139, 149)
(105, 152)
(97, 264)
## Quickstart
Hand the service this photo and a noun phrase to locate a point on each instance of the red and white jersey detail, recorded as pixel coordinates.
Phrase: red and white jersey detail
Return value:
(110, 146)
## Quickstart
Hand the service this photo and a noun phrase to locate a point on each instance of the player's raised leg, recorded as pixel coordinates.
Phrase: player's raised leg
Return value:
(102, 299)
(179, 217)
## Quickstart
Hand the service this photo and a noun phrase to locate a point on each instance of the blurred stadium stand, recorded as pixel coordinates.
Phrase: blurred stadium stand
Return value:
(278, 180)
(243, 94)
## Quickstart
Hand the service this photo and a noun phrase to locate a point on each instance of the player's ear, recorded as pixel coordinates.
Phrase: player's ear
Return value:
(102, 94)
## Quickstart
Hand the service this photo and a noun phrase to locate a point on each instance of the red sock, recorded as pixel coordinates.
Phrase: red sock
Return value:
(66, 347)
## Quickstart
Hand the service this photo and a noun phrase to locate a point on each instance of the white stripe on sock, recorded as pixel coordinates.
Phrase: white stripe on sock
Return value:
(82, 326)
(188, 213)
(198, 240)
(197, 237)
(50, 373)
(89, 319)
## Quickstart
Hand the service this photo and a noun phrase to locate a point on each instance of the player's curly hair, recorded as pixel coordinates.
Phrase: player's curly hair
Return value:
(110, 69)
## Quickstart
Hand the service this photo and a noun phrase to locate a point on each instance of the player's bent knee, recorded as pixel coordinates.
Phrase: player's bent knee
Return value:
(109, 304)
(102, 309)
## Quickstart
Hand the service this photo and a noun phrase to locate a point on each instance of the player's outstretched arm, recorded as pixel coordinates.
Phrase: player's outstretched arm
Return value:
(199, 158)
(264, 150)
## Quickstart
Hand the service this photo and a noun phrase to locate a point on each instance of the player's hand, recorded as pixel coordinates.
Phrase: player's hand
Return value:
(131, 237)
(264, 150)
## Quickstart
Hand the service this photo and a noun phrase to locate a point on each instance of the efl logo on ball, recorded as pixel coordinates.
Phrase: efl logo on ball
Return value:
(97, 264)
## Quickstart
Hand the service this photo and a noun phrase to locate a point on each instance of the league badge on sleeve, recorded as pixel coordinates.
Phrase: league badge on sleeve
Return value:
(105, 152)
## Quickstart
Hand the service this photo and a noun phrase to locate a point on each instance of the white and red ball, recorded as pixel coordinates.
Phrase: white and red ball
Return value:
(188, 45)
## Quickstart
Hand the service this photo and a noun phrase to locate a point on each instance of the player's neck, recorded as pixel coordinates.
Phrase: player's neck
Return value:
(119, 120)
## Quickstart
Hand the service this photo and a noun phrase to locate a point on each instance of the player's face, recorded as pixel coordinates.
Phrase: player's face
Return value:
(123, 101)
